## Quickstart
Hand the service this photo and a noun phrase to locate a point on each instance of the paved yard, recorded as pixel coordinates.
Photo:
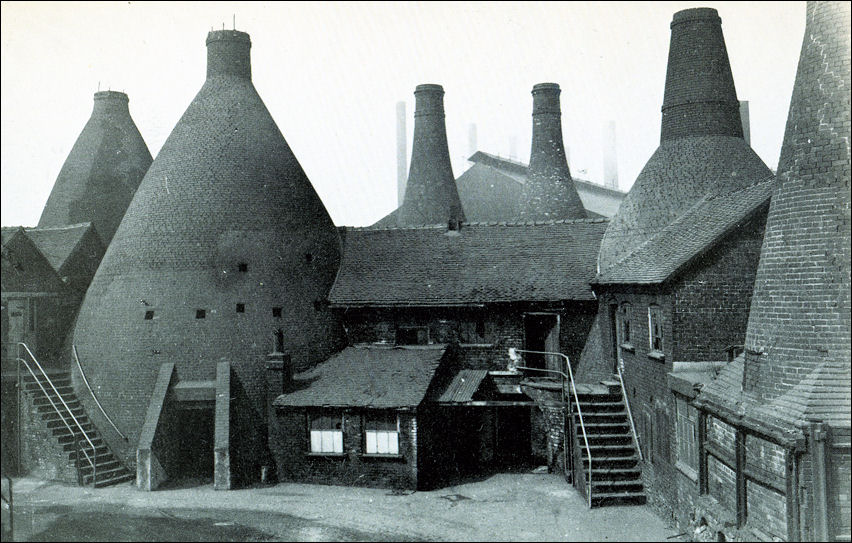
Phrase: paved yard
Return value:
(540, 507)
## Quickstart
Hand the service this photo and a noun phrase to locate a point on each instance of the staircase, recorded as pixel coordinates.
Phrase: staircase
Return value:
(616, 475)
(109, 470)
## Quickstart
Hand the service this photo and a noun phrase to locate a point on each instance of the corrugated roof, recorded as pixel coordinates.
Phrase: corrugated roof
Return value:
(58, 243)
(367, 376)
(463, 386)
(700, 227)
(500, 262)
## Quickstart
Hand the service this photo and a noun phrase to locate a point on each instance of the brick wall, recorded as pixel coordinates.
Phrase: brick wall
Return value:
(712, 300)
(503, 325)
(293, 463)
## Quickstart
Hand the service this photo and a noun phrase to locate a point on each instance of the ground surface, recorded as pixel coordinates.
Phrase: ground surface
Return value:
(540, 507)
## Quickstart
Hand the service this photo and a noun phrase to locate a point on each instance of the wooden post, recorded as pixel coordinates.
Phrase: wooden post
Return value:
(819, 453)
(742, 500)
(702, 453)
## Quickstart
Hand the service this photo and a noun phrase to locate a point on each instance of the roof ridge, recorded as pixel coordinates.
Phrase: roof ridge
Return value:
(595, 220)
(64, 227)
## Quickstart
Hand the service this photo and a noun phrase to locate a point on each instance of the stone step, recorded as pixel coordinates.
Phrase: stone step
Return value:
(604, 427)
(56, 425)
(43, 400)
(603, 486)
(103, 464)
(114, 480)
(611, 462)
(74, 445)
(101, 452)
(609, 451)
(586, 398)
(610, 439)
(596, 406)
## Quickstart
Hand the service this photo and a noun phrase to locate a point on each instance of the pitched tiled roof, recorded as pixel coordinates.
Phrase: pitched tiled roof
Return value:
(481, 263)
(367, 376)
(58, 243)
(697, 229)
(8, 232)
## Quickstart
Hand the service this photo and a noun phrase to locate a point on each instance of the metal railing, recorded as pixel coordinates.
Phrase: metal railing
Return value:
(570, 377)
(91, 460)
(629, 413)
(92, 392)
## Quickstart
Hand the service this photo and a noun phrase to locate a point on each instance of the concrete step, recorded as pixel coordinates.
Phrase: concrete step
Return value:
(618, 498)
(603, 417)
(72, 446)
(600, 486)
(101, 452)
(104, 474)
(585, 398)
(610, 451)
(56, 425)
(616, 474)
(103, 465)
(600, 406)
(611, 462)
(610, 439)
(115, 479)
(605, 427)
(45, 401)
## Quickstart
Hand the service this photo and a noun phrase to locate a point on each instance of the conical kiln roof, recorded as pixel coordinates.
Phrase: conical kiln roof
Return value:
(702, 150)
(102, 171)
(225, 254)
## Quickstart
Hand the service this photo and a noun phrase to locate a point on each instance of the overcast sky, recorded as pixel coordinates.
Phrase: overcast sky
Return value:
(331, 75)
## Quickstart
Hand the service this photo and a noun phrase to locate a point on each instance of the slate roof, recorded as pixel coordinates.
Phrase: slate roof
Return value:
(375, 376)
(57, 244)
(697, 229)
(481, 263)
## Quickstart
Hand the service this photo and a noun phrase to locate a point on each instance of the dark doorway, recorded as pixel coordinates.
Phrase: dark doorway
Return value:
(613, 333)
(541, 333)
(194, 447)
(513, 447)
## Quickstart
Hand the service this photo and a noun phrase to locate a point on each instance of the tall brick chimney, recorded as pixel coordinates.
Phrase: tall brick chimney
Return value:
(702, 150)
(798, 338)
(700, 98)
(102, 171)
(549, 191)
(431, 196)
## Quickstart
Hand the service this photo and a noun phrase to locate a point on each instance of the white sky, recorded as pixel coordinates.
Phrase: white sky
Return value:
(331, 75)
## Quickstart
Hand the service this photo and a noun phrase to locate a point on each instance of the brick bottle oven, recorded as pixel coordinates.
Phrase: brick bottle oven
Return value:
(225, 254)
(102, 172)
(790, 394)
(430, 195)
(701, 150)
(549, 192)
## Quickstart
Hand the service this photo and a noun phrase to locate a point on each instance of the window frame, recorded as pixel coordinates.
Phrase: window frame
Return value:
(655, 316)
(686, 445)
(408, 328)
(625, 317)
(334, 435)
(391, 451)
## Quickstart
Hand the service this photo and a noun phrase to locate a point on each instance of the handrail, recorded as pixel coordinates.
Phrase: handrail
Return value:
(576, 401)
(71, 413)
(629, 413)
(92, 392)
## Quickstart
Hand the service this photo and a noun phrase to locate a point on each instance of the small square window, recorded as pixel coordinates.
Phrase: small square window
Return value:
(243, 267)
(381, 433)
(241, 308)
(326, 433)
(276, 312)
(200, 313)
(309, 258)
(149, 315)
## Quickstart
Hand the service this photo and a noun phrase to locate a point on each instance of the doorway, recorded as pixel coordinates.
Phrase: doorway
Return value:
(541, 333)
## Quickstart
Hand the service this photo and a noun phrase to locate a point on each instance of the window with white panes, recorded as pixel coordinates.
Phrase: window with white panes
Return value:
(381, 433)
(326, 433)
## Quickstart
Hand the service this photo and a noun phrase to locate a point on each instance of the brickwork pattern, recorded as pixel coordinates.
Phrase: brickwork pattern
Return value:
(352, 468)
(225, 215)
(800, 318)
(102, 171)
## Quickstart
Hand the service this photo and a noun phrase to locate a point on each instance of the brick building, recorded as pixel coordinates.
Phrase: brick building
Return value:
(225, 254)
(775, 456)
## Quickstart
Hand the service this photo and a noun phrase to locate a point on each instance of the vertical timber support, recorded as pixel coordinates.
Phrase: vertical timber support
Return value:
(742, 499)
(702, 453)
(279, 375)
(819, 451)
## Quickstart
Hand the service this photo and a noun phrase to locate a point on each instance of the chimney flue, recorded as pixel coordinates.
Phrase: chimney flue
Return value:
(549, 192)
(431, 196)
(228, 54)
(700, 98)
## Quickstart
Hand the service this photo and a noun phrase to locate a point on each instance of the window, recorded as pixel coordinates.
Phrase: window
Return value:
(243, 267)
(412, 335)
(200, 313)
(241, 308)
(687, 437)
(381, 433)
(149, 315)
(474, 331)
(276, 312)
(309, 258)
(326, 433)
(655, 328)
(625, 315)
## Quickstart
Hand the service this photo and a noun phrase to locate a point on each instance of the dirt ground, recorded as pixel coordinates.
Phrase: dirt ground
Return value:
(529, 507)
